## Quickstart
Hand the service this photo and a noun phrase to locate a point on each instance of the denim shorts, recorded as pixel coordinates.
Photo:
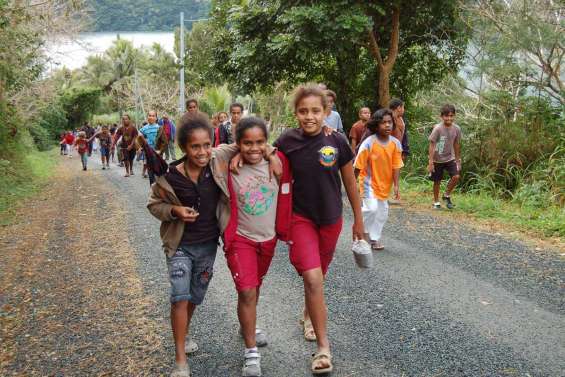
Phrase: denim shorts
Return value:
(105, 152)
(190, 271)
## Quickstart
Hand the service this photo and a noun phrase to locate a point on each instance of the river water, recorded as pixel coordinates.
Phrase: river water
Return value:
(74, 53)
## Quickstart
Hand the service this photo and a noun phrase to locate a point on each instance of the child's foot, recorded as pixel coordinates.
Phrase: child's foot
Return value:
(84, 168)
(437, 205)
(103, 167)
(107, 166)
(448, 202)
(251, 363)
(180, 370)
(261, 339)
(190, 346)
(377, 245)
(145, 176)
(126, 175)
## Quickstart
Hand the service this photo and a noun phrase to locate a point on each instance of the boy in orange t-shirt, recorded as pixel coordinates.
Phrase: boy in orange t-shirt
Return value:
(378, 161)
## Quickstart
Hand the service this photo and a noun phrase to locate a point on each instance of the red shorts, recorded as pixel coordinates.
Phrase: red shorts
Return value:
(249, 261)
(313, 246)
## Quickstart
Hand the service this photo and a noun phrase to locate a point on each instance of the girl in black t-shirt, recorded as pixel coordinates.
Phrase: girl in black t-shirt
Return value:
(318, 162)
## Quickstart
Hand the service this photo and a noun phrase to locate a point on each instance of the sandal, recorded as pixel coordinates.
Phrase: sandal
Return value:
(319, 356)
(308, 330)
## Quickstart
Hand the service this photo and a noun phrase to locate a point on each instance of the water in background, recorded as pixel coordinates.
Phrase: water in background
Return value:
(73, 53)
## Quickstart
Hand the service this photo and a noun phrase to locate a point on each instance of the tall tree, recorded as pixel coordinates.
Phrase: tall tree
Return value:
(260, 44)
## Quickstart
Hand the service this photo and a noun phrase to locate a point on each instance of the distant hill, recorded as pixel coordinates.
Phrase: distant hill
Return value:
(144, 15)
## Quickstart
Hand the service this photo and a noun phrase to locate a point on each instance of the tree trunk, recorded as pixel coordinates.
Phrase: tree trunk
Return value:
(385, 65)
(384, 87)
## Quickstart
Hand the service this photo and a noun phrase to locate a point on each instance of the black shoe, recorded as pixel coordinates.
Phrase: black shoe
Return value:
(84, 168)
(448, 202)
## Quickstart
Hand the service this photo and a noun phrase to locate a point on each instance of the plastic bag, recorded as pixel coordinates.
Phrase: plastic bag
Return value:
(362, 253)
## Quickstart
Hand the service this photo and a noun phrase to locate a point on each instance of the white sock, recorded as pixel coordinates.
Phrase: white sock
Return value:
(437, 203)
(251, 350)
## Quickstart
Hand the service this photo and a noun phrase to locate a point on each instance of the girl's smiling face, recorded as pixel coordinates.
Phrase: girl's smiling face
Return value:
(310, 114)
(252, 145)
(199, 148)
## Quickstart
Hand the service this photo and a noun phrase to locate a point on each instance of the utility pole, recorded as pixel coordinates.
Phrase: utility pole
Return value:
(181, 53)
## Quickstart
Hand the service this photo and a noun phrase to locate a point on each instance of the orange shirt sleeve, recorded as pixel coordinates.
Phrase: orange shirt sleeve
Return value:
(361, 160)
(397, 162)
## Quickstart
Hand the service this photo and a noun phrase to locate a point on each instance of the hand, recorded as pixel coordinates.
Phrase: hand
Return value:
(129, 147)
(275, 167)
(458, 163)
(235, 163)
(186, 214)
(358, 230)
(327, 130)
(431, 168)
(396, 194)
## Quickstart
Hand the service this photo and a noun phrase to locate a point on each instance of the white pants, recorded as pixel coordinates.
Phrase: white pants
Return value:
(375, 214)
(69, 150)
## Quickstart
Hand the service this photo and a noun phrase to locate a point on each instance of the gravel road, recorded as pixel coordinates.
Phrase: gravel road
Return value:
(443, 300)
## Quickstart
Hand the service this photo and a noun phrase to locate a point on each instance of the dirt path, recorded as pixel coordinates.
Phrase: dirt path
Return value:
(72, 301)
(84, 292)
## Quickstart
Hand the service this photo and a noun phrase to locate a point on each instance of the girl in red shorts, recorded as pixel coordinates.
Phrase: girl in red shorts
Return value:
(318, 163)
(250, 236)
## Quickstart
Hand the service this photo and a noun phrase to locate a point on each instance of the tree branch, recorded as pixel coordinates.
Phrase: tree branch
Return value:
(394, 39)
(374, 48)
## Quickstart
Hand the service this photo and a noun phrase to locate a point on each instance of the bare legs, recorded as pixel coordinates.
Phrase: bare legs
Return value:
(316, 309)
(181, 315)
(247, 313)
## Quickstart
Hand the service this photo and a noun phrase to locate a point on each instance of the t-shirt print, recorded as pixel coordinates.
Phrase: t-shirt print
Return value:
(440, 146)
(255, 195)
(328, 156)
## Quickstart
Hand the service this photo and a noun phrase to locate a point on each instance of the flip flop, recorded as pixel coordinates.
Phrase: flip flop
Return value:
(308, 330)
(318, 356)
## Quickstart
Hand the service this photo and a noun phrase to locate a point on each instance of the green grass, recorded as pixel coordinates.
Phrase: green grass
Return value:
(23, 178)
(548, 221)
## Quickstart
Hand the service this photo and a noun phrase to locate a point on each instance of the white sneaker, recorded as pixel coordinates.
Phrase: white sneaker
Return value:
(251, 365)
(190, 346)
(180, 371)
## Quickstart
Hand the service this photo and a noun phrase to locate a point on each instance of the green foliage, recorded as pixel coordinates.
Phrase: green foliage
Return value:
(21, 60)
(80, 103)
(51, 122)
(144, 15)
(23, 176)
(327, 41)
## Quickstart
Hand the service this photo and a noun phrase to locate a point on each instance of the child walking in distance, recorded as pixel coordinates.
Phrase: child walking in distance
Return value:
(358, 129)
(69, 142)
(127, 132)
(81, 144)
(105, 139)
(444, 154)
(250, 236)
(318, 163)
(378, 162)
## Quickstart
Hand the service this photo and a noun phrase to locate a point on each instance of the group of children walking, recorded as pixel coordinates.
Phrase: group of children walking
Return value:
(251, 195)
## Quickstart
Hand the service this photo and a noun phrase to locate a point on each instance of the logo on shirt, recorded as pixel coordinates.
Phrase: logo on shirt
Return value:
(255, 196)
(328, 156)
